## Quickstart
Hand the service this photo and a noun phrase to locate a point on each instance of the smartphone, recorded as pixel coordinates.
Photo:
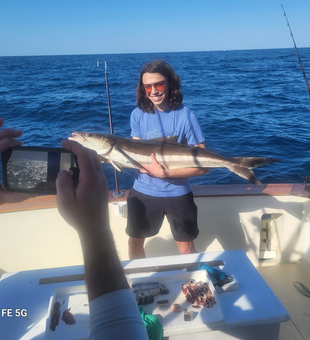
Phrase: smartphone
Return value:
(35, 169)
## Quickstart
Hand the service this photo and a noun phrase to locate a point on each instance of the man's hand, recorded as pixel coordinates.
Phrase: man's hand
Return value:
(6, 141)
(84, 207)
(155, 169)
(7, 137)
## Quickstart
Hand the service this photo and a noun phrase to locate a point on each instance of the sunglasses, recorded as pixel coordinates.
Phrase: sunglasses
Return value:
(160, 86)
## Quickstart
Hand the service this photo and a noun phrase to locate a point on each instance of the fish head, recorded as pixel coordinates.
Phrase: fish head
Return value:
(95, 141)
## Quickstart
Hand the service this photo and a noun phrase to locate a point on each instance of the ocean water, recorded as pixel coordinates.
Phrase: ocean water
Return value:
(248, 103)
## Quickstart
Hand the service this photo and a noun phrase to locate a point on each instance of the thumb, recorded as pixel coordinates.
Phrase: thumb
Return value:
(153, 157)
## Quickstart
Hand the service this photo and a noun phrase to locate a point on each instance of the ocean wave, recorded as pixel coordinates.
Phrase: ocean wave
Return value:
(248, 103)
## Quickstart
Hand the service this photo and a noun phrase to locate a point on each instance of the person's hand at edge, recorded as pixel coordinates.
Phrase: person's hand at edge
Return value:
(83, 207)
(6, 141)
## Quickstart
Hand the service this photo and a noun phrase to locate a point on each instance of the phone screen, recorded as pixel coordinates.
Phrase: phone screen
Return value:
(34, 169)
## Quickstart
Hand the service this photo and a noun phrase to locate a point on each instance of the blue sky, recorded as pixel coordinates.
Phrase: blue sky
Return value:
(56, 27)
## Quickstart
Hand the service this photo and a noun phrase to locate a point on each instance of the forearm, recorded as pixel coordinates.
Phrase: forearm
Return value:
(184, 172)
(156, 170)
(103, 270)
(113, 309)
(187, 172)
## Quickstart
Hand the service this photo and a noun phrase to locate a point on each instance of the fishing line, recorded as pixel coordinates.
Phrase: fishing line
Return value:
(117, 193)
(302, 69)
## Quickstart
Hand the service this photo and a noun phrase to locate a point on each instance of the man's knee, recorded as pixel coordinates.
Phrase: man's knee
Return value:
(186, 247)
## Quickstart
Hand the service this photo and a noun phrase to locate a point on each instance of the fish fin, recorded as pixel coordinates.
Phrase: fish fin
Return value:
(131, 160)
(167, 139)
(255, 162)
(245, 173)
(117, 166)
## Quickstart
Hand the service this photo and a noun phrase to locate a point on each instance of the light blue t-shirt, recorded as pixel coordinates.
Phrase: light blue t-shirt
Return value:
(182, 123)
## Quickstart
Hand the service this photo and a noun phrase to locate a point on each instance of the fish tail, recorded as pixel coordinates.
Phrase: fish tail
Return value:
(254, 162)
(245, 173)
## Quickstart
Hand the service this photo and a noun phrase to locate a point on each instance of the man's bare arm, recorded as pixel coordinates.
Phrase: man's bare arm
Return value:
(157, 170)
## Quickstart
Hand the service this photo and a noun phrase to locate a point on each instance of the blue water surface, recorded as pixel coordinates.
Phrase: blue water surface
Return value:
(249, 103)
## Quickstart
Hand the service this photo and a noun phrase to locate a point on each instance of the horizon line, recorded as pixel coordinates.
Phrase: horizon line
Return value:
(123, 53)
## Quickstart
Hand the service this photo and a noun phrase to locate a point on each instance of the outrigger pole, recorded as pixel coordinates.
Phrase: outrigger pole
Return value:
(117, 193)
(303, 71)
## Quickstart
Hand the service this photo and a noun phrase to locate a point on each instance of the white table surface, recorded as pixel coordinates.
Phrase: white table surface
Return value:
(24, 303)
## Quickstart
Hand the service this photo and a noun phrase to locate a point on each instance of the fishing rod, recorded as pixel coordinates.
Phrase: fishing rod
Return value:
(303, 71)
(117, 193)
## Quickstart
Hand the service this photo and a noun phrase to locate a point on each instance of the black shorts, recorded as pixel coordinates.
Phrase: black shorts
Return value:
(146, 214)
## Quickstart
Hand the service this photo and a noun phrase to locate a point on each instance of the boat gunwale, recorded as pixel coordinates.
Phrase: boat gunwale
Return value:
(278, 189)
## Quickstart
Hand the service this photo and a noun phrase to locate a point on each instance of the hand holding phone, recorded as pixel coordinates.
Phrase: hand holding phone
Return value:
(7, 139)
(35, 169)
(86, 206)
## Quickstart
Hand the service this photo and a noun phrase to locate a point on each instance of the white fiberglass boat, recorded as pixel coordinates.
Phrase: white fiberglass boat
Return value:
(261, 235)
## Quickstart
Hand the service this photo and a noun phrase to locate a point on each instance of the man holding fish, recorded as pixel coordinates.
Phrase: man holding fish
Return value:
(167, 147)
(158, 191)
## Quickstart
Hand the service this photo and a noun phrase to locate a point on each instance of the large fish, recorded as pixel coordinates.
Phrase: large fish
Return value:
(133, 153)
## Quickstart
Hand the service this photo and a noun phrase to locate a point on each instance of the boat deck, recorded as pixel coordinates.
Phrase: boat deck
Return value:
(280, 279)
(231, 217)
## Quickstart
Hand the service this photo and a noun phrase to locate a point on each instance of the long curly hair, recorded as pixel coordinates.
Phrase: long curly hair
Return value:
(175, 96)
